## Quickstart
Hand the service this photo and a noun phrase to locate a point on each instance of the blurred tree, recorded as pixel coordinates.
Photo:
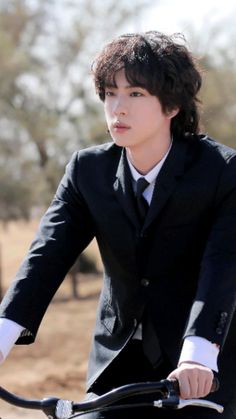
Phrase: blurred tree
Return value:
(47, 103)
(219, 100)
(217, 49)
(48, 107)
(17, 177)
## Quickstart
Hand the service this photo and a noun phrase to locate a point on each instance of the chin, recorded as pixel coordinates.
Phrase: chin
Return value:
(120, 142)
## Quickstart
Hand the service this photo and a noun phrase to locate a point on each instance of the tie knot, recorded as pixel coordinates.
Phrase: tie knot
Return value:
(142, 184)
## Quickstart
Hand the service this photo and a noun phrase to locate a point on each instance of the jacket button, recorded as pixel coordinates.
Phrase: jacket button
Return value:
(143, 235)
(145, 282)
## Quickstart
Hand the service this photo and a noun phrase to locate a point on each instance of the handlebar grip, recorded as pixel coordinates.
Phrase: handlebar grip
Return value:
(215, 385)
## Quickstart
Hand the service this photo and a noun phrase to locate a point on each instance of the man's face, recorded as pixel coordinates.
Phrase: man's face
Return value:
(134, 117)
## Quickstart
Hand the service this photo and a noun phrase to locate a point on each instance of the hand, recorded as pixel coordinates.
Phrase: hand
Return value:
(195, 380)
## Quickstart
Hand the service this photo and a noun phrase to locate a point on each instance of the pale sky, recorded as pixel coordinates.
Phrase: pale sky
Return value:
(177, 15)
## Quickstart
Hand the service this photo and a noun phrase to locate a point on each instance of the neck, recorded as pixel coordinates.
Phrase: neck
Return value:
(146, 158)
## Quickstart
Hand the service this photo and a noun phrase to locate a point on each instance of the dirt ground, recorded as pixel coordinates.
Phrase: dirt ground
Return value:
(56, 363)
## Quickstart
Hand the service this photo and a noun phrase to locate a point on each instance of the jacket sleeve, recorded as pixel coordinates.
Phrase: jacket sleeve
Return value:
(64, 232)
(214, 304)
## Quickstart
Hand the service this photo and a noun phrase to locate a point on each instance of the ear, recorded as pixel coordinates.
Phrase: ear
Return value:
(172, 113)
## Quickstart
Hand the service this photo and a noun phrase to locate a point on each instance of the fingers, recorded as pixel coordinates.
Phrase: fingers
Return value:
(195, 380)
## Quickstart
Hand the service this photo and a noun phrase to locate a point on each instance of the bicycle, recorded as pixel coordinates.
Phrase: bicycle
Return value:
(56, 408)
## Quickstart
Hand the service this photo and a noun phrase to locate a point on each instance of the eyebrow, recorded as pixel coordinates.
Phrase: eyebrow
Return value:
(128, 86)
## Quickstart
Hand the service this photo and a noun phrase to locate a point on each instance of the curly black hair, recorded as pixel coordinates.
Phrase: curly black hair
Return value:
(162, 65)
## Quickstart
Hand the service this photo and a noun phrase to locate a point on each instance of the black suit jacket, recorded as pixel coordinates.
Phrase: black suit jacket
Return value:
(182, 262)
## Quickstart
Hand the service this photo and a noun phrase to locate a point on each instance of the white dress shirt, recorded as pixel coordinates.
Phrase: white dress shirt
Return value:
(9, 333)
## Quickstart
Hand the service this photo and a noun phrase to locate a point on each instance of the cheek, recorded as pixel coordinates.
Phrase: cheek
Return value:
(107, 113)
(156, 116)
(149, 117)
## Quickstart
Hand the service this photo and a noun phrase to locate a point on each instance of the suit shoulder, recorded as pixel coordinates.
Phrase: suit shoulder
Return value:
(217, 150)
(95, 151)
(96, 158)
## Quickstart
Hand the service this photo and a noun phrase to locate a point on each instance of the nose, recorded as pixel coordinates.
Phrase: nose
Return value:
(120, 107)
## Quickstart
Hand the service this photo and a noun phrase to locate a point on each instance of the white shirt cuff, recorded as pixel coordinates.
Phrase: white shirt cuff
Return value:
(199, 350)
(9, 333)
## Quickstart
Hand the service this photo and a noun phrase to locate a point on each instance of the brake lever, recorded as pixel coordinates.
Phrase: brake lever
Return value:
(173, 402)
(200, 403)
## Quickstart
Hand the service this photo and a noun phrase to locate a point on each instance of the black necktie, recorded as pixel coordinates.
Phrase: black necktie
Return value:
(142, 204)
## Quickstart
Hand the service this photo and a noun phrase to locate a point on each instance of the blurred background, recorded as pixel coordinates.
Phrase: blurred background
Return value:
(48, 109)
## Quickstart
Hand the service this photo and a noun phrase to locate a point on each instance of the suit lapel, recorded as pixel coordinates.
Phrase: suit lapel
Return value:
(124, 190)
(167, 180)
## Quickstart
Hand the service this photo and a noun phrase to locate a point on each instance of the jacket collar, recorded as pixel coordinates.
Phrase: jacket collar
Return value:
(166, 181)
(124, 189)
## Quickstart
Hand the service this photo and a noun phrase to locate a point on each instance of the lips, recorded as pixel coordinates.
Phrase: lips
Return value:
(120, 126)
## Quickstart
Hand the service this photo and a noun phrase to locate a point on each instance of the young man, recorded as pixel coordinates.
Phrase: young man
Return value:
(167, 241)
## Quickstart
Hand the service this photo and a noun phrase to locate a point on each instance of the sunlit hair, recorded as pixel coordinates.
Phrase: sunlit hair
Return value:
(163, 66)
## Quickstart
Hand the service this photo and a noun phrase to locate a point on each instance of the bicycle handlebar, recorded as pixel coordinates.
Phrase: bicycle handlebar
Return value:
(56, 408)
(214, 387)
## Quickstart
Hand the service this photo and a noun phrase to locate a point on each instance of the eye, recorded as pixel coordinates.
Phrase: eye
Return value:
(109, 93)
(136, 94)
